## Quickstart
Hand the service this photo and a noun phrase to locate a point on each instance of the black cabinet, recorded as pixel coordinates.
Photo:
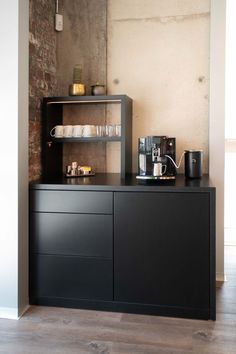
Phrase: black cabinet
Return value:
(161, 243)
(116, 245)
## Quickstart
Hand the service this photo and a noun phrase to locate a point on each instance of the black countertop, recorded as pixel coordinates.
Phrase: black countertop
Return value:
(114, 182)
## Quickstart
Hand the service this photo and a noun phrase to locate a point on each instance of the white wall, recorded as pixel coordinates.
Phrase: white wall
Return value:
(217, 122)
(230, 79)
(13, 154)
(158, 54)
(230, 126)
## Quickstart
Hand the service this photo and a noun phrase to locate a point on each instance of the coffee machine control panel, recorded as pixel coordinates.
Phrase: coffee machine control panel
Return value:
(152, 160)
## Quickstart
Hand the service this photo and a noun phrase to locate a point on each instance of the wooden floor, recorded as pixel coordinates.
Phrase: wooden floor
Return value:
(56, 330)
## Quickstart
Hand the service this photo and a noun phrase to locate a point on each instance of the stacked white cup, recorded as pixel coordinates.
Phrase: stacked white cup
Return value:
(85, 131)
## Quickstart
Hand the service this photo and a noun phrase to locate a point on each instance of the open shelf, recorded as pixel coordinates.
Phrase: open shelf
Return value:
(54, 150)
(85, 140)
(86, 99)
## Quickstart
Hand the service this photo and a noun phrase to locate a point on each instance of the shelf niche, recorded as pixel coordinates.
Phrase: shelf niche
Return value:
(97, 152)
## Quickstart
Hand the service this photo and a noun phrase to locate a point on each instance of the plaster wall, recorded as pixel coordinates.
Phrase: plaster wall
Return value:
(158, 54)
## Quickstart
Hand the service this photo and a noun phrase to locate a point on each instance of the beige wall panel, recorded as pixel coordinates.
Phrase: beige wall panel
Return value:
(158, 54)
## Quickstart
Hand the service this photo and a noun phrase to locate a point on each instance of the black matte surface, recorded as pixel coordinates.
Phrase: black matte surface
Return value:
(115, 306)
(72, 234)
(164, 245)
(72, 202)
(86, 140)
(114, 182)
(86, 99)
(72, 278)
(161, 249)
(52, 163)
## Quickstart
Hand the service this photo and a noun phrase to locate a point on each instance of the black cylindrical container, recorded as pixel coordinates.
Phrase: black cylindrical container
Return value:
(193, 163)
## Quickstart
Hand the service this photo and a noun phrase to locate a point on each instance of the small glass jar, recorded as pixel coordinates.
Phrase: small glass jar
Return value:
(98, 89)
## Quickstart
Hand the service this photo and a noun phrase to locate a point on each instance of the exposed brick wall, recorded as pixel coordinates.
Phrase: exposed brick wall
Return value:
(52, 58)
(42, 74)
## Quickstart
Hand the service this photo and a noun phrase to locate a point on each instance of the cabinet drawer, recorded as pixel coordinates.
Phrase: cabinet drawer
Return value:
(72, 234)
(71, 201)
(71, 277)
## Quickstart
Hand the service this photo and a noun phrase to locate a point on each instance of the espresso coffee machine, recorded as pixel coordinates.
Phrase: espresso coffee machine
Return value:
(154, 158)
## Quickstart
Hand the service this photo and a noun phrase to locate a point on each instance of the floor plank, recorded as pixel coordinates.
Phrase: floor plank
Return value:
(44, 330)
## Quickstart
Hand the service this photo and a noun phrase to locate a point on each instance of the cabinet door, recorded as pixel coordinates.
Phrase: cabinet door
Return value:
(161, 249)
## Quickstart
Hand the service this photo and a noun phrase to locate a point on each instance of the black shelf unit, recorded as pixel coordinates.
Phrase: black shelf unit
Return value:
(52, 148)
(86, 140)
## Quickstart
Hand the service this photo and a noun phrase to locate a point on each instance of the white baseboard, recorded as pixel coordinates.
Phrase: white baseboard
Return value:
(23, 311)
(10, 313)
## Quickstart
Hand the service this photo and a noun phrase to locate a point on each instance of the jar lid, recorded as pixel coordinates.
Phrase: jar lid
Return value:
(97, 84)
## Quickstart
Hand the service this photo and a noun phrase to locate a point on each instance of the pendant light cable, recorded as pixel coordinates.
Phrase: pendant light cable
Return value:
(57, 6)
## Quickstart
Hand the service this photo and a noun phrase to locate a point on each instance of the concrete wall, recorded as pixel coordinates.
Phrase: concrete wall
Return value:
(42, 73)
(83, 41)
(52, 58)
(158, 54)
(14, 158)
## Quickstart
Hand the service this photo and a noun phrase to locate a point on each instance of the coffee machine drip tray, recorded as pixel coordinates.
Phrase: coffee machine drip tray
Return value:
(153, 178)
